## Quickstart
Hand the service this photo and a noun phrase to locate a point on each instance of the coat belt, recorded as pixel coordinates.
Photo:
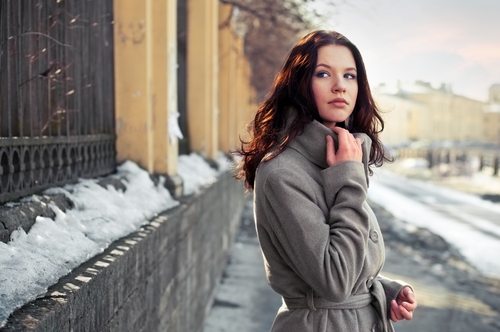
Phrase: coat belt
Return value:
(376, 295)
(313, 303)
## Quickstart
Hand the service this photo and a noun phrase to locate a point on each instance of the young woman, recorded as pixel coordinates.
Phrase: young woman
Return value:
(308, 162)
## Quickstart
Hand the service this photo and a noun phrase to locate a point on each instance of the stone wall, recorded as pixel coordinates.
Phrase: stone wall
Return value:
(161, 278)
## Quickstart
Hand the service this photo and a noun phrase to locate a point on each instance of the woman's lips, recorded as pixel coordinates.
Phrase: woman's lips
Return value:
(338, 102)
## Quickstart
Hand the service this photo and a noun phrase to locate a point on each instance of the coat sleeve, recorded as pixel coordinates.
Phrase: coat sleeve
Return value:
(327, 253)
(391, 289)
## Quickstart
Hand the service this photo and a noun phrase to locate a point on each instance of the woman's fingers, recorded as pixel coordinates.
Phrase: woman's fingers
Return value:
(407, 314)
(401, 311)
(342, 134)
(395, 314)
(349, 147)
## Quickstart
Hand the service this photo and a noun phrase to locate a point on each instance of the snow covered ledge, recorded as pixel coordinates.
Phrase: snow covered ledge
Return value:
(160, 277)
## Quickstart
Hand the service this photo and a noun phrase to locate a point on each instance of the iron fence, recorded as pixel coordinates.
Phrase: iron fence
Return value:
(56, 93)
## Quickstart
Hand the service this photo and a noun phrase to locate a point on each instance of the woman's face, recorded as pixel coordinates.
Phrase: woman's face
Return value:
(334, 84)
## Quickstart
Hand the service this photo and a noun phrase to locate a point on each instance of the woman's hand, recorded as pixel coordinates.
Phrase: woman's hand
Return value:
(404, 305)
(349, 148)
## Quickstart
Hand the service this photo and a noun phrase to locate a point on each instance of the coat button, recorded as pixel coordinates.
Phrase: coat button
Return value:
(376, 328)
(374, 236)
(369, 282)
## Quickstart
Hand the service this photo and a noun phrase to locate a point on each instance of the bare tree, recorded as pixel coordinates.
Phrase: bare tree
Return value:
(272, 28)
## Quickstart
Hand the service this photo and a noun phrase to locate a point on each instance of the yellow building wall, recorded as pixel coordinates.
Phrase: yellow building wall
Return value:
(219, 95)
(467, 119)
(438, 125)
(492, 116)
(145, 83)
(227, 80)
(236, 95)
(451, 117)
(202, 76)
(494, 94)
(434, 115)
(243, 93)
(133, 127)
(403, 119)
(492, 127)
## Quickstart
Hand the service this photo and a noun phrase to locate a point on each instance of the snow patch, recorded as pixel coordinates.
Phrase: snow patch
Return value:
(32, 262)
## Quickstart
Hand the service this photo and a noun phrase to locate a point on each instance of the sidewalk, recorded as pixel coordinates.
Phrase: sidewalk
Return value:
(452, 295)
(244, 301)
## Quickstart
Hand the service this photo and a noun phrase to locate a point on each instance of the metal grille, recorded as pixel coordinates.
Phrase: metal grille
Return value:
(56, 93)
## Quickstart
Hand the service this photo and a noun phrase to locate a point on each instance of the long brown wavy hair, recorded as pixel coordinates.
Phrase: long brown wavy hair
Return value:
(292, 88)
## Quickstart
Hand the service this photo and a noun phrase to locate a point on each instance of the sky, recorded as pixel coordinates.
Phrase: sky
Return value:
(453, 42)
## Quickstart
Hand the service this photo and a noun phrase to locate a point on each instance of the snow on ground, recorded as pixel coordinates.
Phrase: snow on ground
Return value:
(196, 169)
(479, 249)
(32, 262)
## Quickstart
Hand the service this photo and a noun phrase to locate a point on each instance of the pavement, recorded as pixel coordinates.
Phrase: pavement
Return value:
(244, 301)
(452, 295)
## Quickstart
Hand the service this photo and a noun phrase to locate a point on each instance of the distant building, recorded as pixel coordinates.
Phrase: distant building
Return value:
(403, 117)
(494, 94)
(422, 112)
(492, 116)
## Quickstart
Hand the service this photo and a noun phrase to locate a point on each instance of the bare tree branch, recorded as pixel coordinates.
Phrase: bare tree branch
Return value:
(272, 28)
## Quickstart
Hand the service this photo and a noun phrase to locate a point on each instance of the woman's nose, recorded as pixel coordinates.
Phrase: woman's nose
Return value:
(339, 85)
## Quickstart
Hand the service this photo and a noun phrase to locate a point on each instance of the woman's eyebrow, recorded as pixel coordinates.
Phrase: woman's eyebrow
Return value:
(327, 66)
(323, 65)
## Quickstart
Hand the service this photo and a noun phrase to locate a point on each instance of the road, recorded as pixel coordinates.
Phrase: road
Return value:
(466, 221)
(457, 206)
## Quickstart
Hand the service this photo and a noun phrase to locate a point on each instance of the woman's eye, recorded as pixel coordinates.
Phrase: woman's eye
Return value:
(351, 76)
(322, 74)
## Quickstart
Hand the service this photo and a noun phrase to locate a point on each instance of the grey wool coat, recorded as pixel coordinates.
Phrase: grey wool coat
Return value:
(321, 242)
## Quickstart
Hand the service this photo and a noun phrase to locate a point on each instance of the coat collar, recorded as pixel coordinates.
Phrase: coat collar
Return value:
(312, 144)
